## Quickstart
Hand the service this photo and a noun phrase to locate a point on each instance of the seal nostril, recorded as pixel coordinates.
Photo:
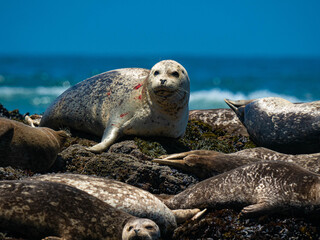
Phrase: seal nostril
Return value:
(136, 230)
(162, 81)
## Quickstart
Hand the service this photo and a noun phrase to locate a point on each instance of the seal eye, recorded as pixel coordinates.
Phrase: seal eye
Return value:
(130, 228)
(175, 74)
(149, 227)
(156, 73)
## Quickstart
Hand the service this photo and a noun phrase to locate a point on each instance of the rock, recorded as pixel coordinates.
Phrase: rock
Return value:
(221, 118)
(126, 168)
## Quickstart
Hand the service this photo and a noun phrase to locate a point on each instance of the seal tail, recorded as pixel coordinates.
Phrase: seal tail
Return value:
(238, 106)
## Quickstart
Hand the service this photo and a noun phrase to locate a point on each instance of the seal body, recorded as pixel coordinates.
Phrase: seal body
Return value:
(122, 196)
(280, 125)
(38, 209)
(25, 147)
(129, 101)
(206, 163)
(263, 187)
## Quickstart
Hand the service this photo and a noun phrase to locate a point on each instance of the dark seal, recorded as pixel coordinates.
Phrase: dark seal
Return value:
(258, 188)
(25, 147)
(206, 163)
(36, 210)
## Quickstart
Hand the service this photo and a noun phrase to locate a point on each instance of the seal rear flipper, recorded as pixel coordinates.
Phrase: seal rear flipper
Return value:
(238, 106)
(183, 215)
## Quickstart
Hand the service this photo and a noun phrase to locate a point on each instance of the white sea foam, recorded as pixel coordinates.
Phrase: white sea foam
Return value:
(214, 98)
(6, 91)
(203, 99)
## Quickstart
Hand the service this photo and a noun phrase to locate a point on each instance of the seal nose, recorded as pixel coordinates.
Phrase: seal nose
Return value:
(136, 231)
(162, 81)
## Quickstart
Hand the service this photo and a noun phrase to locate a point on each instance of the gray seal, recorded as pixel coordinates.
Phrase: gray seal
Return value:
(259, 188)
(129, 101)
(36, 210)
(280, 125)
(206, 163)
(125, 197)
(25, 147)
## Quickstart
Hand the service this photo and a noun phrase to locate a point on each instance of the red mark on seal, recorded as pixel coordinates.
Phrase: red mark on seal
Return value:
(138, 86)
(140, 96)
(123, 114)
(108, 93)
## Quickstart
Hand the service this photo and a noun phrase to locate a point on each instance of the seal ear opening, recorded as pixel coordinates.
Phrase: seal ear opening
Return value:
(238, 106)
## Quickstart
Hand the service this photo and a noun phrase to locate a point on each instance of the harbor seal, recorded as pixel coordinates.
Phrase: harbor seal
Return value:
(125, 197)
(280, 125)
(25, 147)
(206, 163)
(35, 210)
(129, 101)
(259, 188)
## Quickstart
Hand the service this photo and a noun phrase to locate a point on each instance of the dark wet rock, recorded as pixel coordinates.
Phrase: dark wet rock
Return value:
(9, 173)
(221, 118)
(226, 224)
(126, 168)
(128, 147)
(14, 114)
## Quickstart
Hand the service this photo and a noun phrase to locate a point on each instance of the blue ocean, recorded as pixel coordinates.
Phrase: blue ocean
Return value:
(30, 84)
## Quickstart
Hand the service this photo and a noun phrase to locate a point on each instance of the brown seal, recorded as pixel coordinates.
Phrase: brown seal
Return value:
(128, 101)
(35, 210)
(280, 125)
(25, 147)
(260, 188)
(206, 163)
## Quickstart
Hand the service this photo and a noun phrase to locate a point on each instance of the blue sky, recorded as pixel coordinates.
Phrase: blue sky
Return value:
(137, 28)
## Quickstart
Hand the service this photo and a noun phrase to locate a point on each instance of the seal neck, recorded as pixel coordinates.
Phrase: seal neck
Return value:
(172, 105)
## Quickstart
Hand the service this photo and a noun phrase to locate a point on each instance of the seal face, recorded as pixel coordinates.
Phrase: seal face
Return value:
(129, 101)
(25, 147)
(280, 125)
(125, 197)
(38, 209)
(262, 187)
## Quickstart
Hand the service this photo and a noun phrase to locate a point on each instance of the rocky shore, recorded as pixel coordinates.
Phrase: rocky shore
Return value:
(129, 161)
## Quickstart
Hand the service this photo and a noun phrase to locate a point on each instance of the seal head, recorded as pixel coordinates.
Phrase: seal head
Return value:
(141, 228)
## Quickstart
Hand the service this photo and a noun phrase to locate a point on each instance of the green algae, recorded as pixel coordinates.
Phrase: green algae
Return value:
(198, 136)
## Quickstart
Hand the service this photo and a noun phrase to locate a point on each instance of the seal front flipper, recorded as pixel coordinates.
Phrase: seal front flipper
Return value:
(110, 135)
(260, 208)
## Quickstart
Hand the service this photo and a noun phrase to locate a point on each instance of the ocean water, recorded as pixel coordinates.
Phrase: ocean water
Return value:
(30, 84)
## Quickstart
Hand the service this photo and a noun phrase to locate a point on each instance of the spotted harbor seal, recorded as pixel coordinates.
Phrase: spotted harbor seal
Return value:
(206, 163)
(125, 197)
(129, 101)
(25, 147)
(35, 209)
(261, 188)
(280, 125)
